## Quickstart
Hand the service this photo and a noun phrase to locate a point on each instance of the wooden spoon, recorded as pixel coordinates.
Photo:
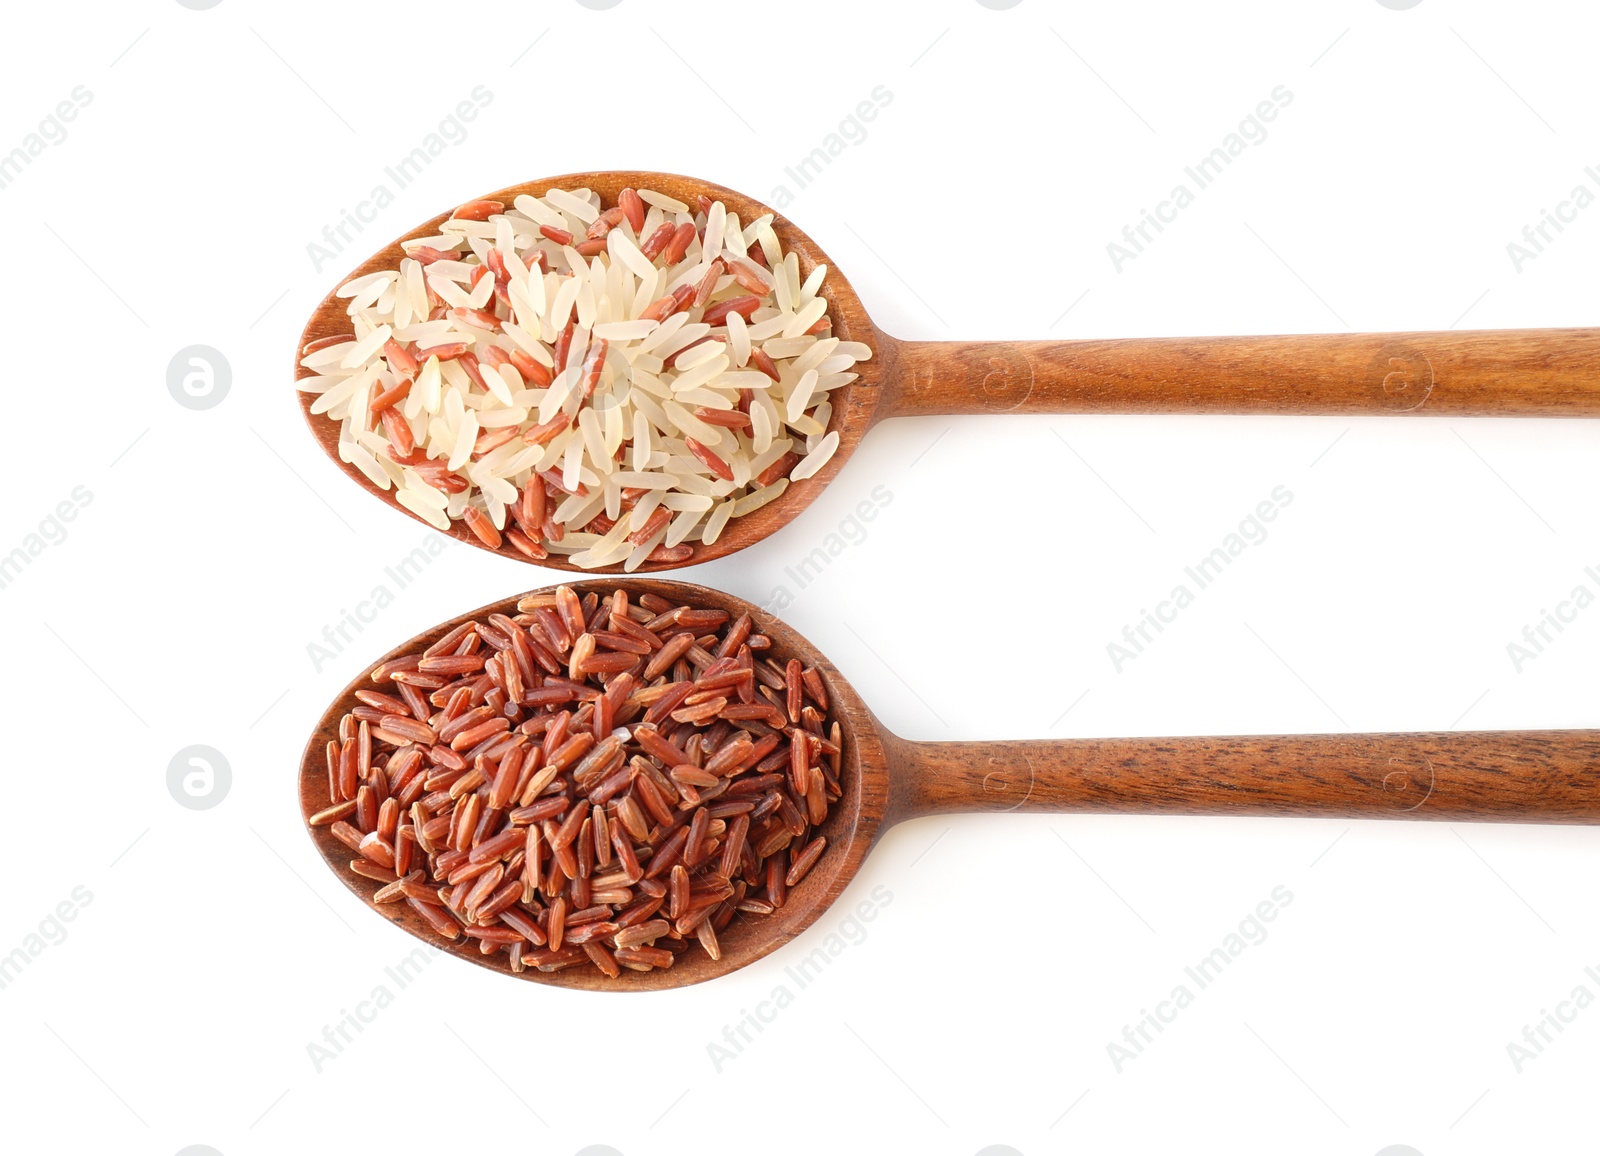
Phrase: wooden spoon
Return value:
(1515, 372)
(1490, 776)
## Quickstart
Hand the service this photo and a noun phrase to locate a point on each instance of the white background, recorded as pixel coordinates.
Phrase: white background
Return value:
(978, 1011)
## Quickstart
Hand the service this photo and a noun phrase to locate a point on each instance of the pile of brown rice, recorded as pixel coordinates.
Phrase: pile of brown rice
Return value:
(609, 383)
(591, 781)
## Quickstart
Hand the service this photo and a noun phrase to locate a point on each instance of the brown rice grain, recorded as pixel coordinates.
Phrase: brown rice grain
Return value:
(542, 785)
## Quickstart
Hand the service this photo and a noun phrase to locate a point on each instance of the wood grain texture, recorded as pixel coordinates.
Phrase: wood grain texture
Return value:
(1501, 373)
(851, 828)
(853, 405)
(1487, 776)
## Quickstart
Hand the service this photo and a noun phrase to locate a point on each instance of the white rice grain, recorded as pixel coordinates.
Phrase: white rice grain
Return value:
(568, 203)
(752, 502)
(800, 399)
(365, 349)
(626, 432)
(716, 523)
(434, 516)
(662, 201)
(625, 330)
(816, 459)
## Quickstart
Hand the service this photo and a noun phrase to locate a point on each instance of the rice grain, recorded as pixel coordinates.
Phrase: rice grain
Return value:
(669, 338)
(587, 782)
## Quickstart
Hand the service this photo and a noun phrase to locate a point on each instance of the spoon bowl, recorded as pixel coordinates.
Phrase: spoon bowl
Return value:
(1526, 372)
(854, 405)
(1506, 776)
(851, 827)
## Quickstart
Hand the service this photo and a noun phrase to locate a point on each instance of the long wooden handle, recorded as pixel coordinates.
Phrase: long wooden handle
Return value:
(1511, 372)
(1491, 776)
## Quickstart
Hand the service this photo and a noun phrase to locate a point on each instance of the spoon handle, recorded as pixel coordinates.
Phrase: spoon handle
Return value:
(1491, 776)
(1506, 372)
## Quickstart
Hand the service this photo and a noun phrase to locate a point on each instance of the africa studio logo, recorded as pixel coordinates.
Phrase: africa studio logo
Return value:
(198, 777)
(198, 377)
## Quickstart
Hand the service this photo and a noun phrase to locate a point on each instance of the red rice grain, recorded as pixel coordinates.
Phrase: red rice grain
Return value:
(589, 782)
